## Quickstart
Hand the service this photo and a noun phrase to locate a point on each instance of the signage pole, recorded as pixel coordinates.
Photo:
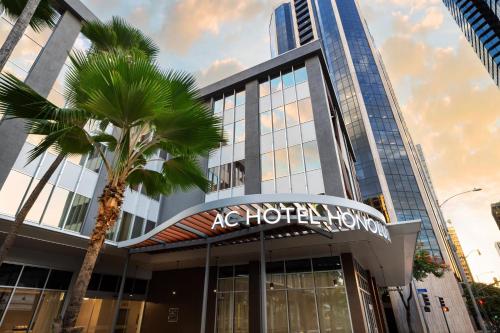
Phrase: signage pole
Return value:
(446, 320)
(263, 293)
(205, 291)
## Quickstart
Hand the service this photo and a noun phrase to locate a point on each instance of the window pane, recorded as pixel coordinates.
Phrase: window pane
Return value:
(333, 310)
(288, 80)
(239, 131)
(225, 176)
(278, 119)
(137, 229)
(281, 163)
(4, 299)
(9, 274)
(300, 75)
(305, 110)
(33, 277)
(12, 192)
(266, 125)
(96, 315)
(264, 89)
(296, 162)
(35, 213)
(277, 321)
(292, 114)
(311, 155)
(50, 306)
(213, 177)
(241, 312)
(150, 225)
(302, 310)
(229, 134)
(125, 225)
(218, 106)
(239, 113)
(239, 173)
(240, 98)
(224, 313)
(57, 207)
(266, 163)
(20, 311)
(77, 213)
(276, 84)
(59, 280)
(228, 102)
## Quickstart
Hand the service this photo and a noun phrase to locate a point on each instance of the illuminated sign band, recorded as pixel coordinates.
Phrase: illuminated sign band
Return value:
(319, 216)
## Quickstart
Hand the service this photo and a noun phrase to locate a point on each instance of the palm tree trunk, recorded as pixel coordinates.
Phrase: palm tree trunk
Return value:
(25, 209)
(17, 31)
(110, 204)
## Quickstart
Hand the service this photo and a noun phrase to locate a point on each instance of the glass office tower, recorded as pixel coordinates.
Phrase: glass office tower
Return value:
(382, 145)
(480, 22)
(387, 168)
(281, 24)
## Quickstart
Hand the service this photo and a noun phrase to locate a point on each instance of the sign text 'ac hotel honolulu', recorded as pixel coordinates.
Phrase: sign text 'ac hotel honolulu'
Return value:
(340, 221)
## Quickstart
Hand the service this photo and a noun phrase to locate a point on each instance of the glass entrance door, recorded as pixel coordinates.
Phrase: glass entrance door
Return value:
(307, 296)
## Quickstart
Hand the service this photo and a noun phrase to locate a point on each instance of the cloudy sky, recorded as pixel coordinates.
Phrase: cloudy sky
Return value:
(450, 103)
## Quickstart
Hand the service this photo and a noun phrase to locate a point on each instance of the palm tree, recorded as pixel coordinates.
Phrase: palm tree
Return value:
(38, 14)
(150, 110)
(17, 100)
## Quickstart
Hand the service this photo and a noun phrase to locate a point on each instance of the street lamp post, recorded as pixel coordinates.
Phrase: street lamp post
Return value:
(457, 259)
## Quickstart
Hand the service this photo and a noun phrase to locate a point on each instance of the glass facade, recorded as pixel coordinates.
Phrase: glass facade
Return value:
(232, 300)
(479, 21)
(405, 193)
(352, 63)
(30, 297)
(289, 150)
(226, 165)
(282, 33)
(307, 295)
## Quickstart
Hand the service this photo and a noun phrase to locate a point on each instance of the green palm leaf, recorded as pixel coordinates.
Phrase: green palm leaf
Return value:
(44, 16)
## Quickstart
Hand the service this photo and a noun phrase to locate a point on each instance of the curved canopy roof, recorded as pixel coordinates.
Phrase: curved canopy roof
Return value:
(239, 216)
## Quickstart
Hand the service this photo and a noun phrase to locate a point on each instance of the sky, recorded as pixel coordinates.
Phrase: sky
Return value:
(449, 102)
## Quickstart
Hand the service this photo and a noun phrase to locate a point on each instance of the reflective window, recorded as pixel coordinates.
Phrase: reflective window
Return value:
(229, 102)
(278, 119)
(150, 225)
(33, 277)
(240, 98)
(9, 274)
(125, 226)
(300, 75)
(296, 162)
(218, 105)
(137, 229)
(276, 84)
(225, 176)
(229, 134)
(12, 192)
(288, 80)
(292, 114)
(239, 173)
(267, 166)
(239, 131)
(281, 163)
(266, 124)
(311, 155)
(264, 89)
(57, 207)
(305, 110)
(21, 309)
(213, 178)
(77, 212)
(232, 300)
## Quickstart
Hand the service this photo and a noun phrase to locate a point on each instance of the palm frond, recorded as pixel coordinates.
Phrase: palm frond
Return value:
(118, 35)
(44, 16)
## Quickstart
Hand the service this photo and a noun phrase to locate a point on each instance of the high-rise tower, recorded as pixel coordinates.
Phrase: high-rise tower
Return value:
(480, 23)
(390, 177)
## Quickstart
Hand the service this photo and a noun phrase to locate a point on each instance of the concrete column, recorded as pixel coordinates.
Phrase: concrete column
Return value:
(353, 296)
(252, 139)
(41, 78)
(327, 146)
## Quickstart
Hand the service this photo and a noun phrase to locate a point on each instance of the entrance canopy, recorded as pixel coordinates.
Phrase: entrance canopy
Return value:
(385, 249)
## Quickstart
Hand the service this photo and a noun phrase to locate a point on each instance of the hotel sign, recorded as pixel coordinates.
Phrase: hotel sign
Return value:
(338, 219)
